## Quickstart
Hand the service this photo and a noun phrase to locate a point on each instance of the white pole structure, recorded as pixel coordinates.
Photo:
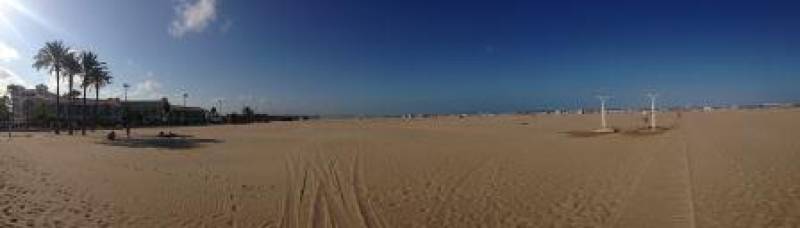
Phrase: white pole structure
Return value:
(603, 100)
(9, 109)
(652, 110)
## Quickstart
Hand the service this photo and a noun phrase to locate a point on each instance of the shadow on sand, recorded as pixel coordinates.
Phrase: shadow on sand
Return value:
(643, 131)
(587, 134)
(176, 143)
(646, 131)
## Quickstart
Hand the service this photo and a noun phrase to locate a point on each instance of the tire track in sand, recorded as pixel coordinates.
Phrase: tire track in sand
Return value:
(663, 198)
(330, 195)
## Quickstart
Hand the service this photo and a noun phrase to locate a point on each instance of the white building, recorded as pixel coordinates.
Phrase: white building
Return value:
(26, 101)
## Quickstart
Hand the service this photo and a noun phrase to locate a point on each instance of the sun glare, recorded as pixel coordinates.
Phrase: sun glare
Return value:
(3, 8)
(13, 10)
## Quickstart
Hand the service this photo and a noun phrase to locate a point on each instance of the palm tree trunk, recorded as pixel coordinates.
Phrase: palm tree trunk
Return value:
(58, 100)
(69, 107)
(83, 112)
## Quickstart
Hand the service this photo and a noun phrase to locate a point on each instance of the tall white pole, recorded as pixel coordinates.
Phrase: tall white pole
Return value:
(603, 112)
(603, 100)
(9, 108)
(652, 110)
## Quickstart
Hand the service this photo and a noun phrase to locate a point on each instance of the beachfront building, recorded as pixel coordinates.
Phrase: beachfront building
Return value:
(153, 112)
(108, 111)
(182, 115)
(146, 112)
(37, 108)
(32, 106)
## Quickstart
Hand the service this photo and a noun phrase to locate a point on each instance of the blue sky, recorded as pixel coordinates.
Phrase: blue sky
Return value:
(389, 57)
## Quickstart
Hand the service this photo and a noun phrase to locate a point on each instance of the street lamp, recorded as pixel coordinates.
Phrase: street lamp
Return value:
(126, 86)
(126, 118)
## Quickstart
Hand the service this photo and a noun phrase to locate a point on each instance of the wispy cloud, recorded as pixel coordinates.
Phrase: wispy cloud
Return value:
(7, 53)
(192, 16)
(147, 89)
(64, 84)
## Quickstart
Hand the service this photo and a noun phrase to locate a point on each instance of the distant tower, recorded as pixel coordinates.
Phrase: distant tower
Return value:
(652, 97)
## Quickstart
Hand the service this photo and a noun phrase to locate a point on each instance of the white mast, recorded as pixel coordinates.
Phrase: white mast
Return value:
(603, 100)
(652, 97)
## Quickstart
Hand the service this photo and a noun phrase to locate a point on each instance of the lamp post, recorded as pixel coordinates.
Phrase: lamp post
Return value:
(127, 112)
(126, 86)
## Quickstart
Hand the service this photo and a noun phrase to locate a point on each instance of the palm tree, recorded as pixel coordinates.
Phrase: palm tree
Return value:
(53, 56)
(88, 61)
(90, 68)
(101, 78)
(72, 68)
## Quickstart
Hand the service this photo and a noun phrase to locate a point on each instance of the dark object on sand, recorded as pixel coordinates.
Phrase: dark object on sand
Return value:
(167, 135)
(647, 131)
(111, 136)
(162, 143)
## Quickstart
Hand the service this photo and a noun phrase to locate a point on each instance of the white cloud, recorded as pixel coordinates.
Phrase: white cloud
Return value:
(192, 16)
(7, 53)
(8, 77)
(147, 89)
(64, 86)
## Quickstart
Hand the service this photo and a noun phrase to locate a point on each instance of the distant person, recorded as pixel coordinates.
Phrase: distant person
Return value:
(111, 136)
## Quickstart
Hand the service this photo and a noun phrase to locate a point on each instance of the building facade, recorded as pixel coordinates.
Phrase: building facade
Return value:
(32, 106)
(37, 107)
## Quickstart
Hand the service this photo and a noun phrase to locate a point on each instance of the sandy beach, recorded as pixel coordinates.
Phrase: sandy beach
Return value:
(719, 169)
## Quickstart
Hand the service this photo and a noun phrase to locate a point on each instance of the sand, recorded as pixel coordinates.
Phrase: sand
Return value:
(721, 169)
